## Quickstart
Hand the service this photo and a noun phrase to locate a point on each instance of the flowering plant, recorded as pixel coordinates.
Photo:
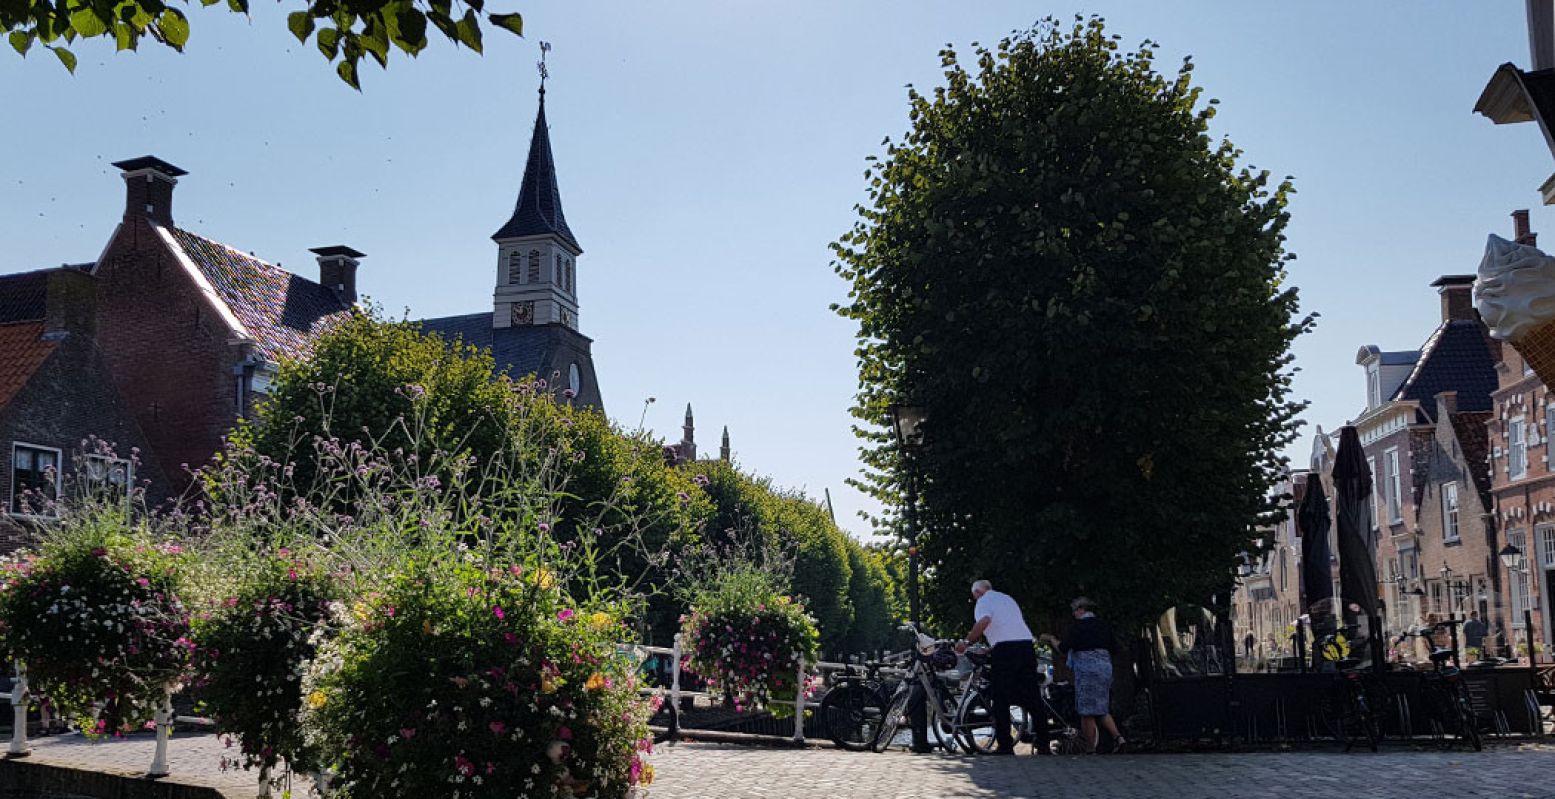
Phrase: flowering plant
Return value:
(95, 616)
(747, 637)
(468, 680)
(252, 648)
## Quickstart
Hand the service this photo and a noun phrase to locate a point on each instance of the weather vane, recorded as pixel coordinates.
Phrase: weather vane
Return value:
(545, 47)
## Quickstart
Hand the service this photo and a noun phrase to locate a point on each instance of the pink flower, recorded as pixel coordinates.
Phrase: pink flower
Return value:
(464, 766)
(407, 732)
(564, 615)
(497, 727)
(497, 611)
(564, 732)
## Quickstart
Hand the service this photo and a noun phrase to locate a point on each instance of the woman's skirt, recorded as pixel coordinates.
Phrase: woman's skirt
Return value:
(1092, 681)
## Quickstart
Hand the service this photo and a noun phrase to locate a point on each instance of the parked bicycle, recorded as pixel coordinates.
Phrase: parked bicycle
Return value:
(1444, 693)
(1347, 706)
(974, 724)
(926, 660)
(854, 709)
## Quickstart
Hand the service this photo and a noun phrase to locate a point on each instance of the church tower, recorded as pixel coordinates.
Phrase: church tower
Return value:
(536, 251)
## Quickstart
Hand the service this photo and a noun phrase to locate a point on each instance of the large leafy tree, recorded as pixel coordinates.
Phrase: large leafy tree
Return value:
(1087, 293)
(344, 32)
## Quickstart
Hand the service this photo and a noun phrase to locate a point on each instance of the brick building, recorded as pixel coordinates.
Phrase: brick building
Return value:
(55, 398)
(1523, 484)
(1267, 600)
(1421, 406)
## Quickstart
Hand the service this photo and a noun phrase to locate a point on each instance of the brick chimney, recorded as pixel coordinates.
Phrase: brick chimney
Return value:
(337, 269)
(1446, 404)
(70, 304)
(148, 183)
(1457, 292)
(1520, 232)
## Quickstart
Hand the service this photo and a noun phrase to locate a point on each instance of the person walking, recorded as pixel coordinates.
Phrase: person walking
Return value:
(1013, 677)
(1474, 631)
(1088, 646)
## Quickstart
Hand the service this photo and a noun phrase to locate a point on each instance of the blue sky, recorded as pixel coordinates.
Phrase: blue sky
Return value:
(709, 151)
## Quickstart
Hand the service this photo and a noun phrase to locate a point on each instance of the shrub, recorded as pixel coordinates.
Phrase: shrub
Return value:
(747, 638)
(96, 617)
(464, 680)
(251, 651)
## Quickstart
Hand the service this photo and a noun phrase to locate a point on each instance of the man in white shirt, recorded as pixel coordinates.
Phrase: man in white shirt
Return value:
(1012, 669)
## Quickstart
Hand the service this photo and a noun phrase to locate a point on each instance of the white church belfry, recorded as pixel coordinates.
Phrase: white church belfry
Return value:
(536, 251)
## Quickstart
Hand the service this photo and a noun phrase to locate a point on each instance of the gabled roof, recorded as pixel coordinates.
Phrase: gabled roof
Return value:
(1474, 439)
(539, 210)
(22, 351)
(1457, 357)
(282, 312)
(23, 297)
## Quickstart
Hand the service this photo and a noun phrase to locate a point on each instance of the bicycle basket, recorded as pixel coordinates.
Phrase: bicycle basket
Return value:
(942, 659)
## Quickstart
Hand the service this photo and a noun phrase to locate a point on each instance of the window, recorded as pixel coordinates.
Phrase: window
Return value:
(1450, 512)
(109, 478)
(34, 478)
(1516, 450)
(1284, 585)
(1395, 507)
(1546, 534)
(1376, 493)
(1549, 424)
(515, 267)
(534, 266)
(1437, 605)
(556, 271)
(1373, 388)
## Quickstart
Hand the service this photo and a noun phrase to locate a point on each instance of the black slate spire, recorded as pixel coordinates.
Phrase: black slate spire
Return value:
(539, 209)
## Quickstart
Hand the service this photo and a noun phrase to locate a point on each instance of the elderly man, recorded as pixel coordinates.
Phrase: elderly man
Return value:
(1013, 674)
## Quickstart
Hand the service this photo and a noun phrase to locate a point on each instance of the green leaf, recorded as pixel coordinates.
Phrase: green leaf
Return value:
(329, 42)
(21, 41)
(512, 22)
(301, 25)
(469, 30)
(375, 41)
(412, 33)
(347, 73)
(86, 22)
(444, 23)
(65, 57)
(125, 37)
(174, 27)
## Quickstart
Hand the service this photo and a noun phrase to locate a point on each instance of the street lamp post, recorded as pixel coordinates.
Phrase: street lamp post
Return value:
(907, 423)
(1515, 561)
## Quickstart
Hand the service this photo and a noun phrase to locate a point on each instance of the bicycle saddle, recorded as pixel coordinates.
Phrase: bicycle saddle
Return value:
(1441, 655)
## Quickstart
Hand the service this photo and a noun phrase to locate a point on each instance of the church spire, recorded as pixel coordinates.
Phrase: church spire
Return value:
(539, 209)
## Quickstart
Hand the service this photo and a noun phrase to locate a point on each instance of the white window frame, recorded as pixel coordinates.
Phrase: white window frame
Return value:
(1376, 494)
(1517, 582)
(93, 484)
(59, 470)
(1517, 448)
(1373, 387)
(1545, 536)
(1451, 533)
(1395, 487)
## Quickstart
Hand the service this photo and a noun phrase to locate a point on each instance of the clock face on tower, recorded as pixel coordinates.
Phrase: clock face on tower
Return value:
(523, 313)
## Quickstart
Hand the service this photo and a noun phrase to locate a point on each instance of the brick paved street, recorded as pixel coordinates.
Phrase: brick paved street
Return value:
(701, 770)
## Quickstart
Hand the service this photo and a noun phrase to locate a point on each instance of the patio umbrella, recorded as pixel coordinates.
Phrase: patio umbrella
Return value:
(1357, 540)
(1317, 583)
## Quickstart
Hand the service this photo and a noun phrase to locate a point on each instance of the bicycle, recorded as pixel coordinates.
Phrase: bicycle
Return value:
(927, 658)
(974, 724)
(855, 707)
(1346, 708)
(1444, 692)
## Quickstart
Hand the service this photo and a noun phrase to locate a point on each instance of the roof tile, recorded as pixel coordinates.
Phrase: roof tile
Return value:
(22, 351)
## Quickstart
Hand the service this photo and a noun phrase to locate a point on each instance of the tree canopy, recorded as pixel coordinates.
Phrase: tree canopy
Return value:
(1087, 293)
(342, 31)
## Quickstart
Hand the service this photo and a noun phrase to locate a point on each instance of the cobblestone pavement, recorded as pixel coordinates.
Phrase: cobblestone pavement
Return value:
(707, 770)
(687, 770)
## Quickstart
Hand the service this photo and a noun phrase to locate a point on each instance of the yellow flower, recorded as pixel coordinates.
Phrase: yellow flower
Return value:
(600, 620)
(549, 682)
(647, 776)
(596, 681)
(361, 611)
(545, 579)
(317, 699)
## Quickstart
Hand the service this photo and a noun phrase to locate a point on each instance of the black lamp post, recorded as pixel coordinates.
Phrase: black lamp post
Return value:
(1513, 558)
(907, 423)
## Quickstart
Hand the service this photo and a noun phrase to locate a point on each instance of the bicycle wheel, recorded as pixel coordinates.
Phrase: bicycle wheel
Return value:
(974, 724)
(1468, 723)
(1332, 711)
(893, 718)
(852, 714)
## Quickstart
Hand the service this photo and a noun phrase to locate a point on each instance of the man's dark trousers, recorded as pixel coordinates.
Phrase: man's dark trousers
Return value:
(1014, 680)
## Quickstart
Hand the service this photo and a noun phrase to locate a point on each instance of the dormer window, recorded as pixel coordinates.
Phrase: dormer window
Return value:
(1373, 387)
